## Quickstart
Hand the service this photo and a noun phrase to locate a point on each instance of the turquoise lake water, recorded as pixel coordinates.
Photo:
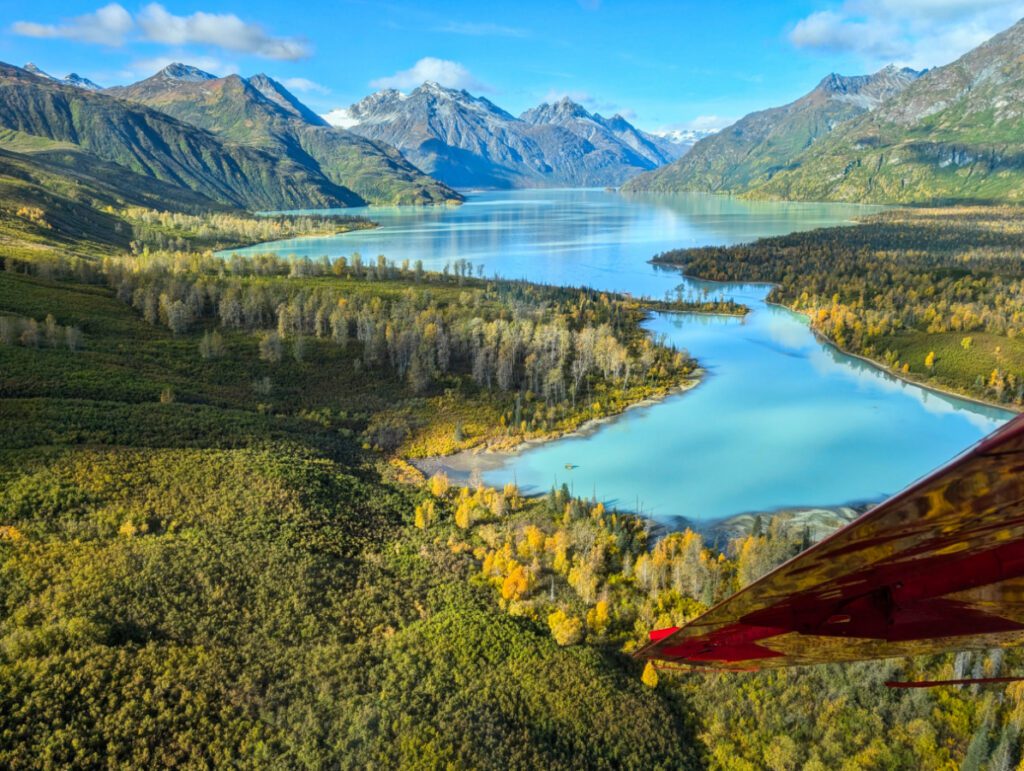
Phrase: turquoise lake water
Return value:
(780, 420)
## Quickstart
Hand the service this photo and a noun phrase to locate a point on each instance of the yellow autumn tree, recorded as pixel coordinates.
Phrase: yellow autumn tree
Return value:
(464, 513)
(439, 484)
(517, 583)
(425, 514)
(534, 539)
(929, 360)
(566, 629)
(597, 617)
(511, 493)
(650, 675)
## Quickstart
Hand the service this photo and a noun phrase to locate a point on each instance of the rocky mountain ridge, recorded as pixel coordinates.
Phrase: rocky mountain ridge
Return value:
(468, 141)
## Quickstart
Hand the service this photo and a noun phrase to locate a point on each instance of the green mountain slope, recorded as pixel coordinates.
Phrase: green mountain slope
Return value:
(261, 113)
(748, 153)
(152, 144)
(56, 198)
(955, 134)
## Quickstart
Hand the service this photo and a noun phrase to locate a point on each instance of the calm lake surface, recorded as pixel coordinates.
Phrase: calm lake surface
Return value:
(780, 419)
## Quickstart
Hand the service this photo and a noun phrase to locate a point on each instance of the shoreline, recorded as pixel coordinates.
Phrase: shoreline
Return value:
(493, 458)
(904, 378)
(881, 367)
(371, 225)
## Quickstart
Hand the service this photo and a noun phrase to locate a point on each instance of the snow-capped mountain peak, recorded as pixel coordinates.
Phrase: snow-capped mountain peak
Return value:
(72, 79)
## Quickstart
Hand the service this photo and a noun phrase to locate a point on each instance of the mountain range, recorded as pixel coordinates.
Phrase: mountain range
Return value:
(68, 125)
(192, 139)
(260, 112)
(468, 141)
(955, 134)
(952, 134)
(751, 151)
(71, 79)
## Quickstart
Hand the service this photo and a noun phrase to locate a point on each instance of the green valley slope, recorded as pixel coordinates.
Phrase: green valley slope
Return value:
(56, 198)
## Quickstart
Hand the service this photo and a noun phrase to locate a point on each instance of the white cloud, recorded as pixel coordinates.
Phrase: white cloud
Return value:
(482, 29)
(340, 117)
(112, 25)
(701, 125)
(708, 123)
(224, 30)
(833, 31)
(109, 26)
(304, 85)
(915, 33)
(442, 71)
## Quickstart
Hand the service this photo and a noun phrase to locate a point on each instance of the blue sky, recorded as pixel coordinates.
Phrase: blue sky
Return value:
(662, 64)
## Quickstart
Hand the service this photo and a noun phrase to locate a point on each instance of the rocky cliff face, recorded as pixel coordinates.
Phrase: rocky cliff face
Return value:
(468, 141)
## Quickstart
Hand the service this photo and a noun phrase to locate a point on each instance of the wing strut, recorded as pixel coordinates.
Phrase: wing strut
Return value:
(940, 683)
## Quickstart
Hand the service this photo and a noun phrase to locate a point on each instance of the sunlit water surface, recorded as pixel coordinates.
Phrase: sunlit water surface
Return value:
(780, 419)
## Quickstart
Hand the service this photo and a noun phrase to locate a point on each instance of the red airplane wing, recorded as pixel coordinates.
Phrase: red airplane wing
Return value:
(938, 567)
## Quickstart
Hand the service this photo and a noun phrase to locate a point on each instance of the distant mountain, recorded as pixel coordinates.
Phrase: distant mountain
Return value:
(749, 153)
(684, 138)
(72, 79)
(468, 141)
(260, 112)
(955, 134)
(78, 81)
(152, 144)
(615, 134)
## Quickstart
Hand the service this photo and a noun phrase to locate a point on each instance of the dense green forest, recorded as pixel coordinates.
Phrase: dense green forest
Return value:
(934, 294)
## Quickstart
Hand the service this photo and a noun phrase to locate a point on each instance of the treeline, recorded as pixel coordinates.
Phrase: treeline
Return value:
(925, 272)
(30, 333)
(513, 337)
(177, 231)
(501, 360)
